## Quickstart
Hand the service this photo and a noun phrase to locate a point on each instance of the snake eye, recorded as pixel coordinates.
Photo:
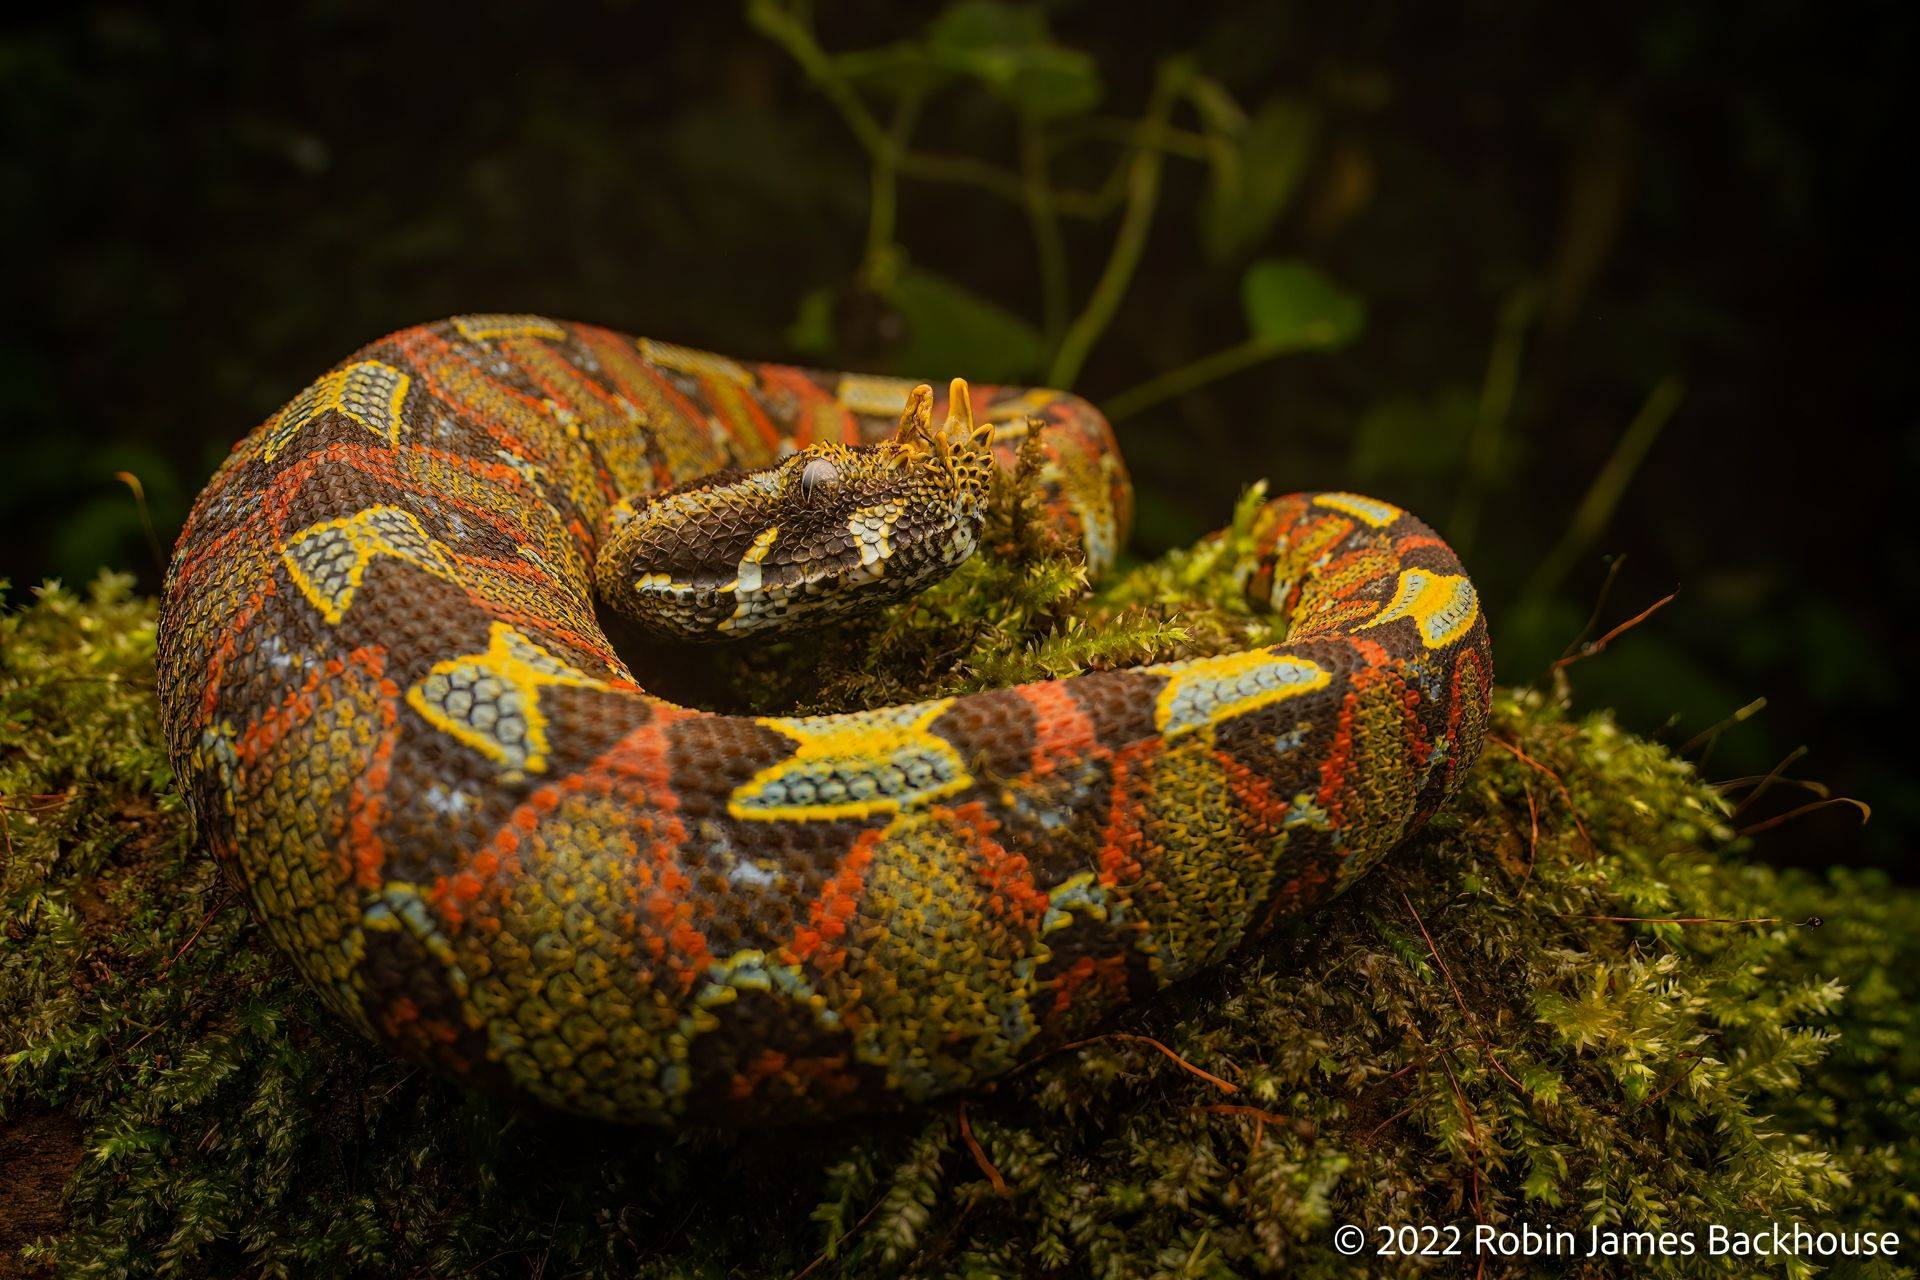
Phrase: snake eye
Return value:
(816, 475)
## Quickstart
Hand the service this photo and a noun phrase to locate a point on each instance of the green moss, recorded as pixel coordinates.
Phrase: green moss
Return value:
(1460, 1038)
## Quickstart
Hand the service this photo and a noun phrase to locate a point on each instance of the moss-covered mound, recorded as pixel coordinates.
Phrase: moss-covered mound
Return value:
(1474, 1035)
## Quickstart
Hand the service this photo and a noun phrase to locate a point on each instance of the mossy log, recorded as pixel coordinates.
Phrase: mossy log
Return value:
(1569, 1001)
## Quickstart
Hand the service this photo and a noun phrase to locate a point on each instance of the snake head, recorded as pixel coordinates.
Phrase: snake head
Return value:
(831, 531)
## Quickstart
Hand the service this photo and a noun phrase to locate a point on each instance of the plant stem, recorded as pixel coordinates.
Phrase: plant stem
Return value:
(882, 254)
(786, 29)
(1049, 248)
(1496, 407)
(1603, 495)
(1177, 382)
(1143, 195)
(967, 171)
(1188, 144)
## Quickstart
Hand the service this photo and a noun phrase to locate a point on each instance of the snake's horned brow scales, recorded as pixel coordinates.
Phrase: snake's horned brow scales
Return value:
(395, 715)
(916, 418)
(960, 429)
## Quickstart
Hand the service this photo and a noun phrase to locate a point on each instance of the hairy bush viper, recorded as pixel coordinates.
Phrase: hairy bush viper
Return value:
(400, 726)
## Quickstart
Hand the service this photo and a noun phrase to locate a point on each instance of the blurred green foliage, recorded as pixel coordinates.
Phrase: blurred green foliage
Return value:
(1571, 282)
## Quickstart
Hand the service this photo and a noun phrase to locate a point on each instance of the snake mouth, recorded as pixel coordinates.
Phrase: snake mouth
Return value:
(827, 533)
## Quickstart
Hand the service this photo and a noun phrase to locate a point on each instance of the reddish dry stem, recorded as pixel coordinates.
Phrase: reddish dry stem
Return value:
(1587, 651)
(808, 1270)
(1811, 922)
(1458, 999)
(1675, 1083)
(194, 937)
(1599, 605)
(1240, 1109)
(1533, 831)
(1761, 782)
(1416, 1064)
(1000, 1187)
(35, 802)
(1389, 1120)
(1866, 814)
(1473, 1136)
(1208, 1076)
(1573, 810)
(1260, 1118)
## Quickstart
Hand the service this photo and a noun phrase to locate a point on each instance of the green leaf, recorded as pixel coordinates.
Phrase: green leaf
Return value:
(900, 69)
(977, 25)
(1009, 50)
(1255, 177)
(1292, 306)
(950, 330)
(953, 331)
(811, 333)
(1414, 435)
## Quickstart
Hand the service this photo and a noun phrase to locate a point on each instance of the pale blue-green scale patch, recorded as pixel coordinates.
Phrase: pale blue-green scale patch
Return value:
(1202, 691)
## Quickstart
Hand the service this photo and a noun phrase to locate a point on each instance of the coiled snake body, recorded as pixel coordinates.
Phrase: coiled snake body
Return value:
(401, 727)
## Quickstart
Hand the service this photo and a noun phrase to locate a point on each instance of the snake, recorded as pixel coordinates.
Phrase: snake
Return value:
(388, 691)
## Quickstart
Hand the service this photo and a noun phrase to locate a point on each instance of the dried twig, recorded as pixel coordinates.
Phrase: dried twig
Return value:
(1811, 922)
(1473, 1022)
(1000, 1187)
(132, 482)
(1676, 1082)
(1223, 1085)
(1711, 734)
(1866, 814)
(1598, 646)
(1761, 782)
(193, 937)
(1573, 810)
(1473, 1136)
(1614, 565)
(809, 1269)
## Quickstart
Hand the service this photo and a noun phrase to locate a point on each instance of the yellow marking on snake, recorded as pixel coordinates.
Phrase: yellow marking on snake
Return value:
(858, 765)
(328, 561)
(367, 392)
(1442, 605)
(661, 584)
(746, 578)
(1371, 510)
(701, 364)
(1205, 691)
(871, 528)
(486, 327)
(491, 700)
(872, 394)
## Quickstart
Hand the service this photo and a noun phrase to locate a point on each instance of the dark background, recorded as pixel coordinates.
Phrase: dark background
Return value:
(204, 208)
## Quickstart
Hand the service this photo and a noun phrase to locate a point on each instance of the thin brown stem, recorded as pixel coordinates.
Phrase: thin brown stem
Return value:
(1811, 922)
(1472, 1022)
(1600, 645)
(1866, 814)
(1214, 1080)
(1000, 1187)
